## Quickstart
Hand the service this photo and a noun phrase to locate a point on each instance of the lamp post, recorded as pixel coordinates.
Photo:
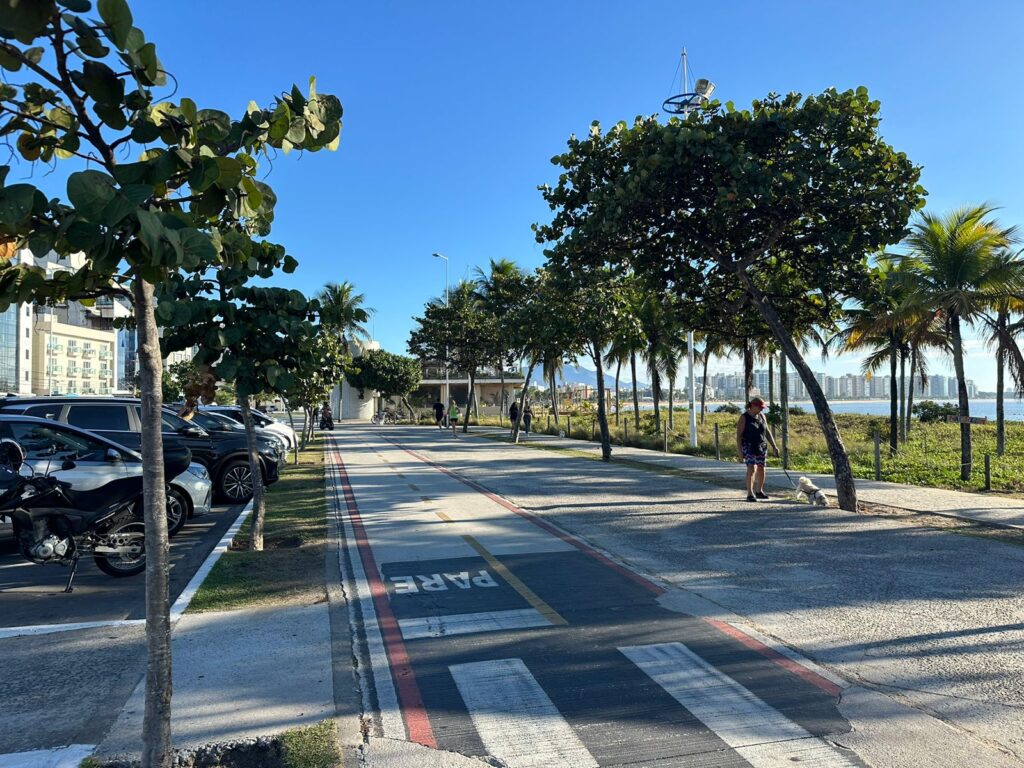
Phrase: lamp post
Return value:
(447, 305)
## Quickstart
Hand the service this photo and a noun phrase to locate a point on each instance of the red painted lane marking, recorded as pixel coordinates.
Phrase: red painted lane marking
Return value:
(755, 645)
(410, 702)
(774, 656)
(553, 530)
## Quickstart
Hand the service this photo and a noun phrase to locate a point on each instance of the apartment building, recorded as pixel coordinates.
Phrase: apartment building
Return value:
(72, 358)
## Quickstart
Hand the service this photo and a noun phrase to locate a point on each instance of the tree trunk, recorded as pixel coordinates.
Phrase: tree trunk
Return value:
(522, 402)
(845, 487)
(618, 370)
(656, 395)
(704, 387)
(636, 395)
(894, 396)
(259, 505)
(1000, 412)
(784, 398)
(910, 392)
(554, 394)
(470, 398)
(903, 394)
(501, 397)
(408, 406)
(156, 723)
(748, 370)
(291, 423)
(965, 406)
(602, 413)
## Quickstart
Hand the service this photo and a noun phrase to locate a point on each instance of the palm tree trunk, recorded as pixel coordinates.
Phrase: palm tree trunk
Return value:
(522, 400)
(1000, 412)
(156, 722)
(910, 391)
(636, 395)
(704, 387)
(846, 489)
(602, 413)
(748, 369)
(656, 394)
(961, 389)
(259, 506)
(903, 394)
(894, 394)
(618, 370)
(554, 395)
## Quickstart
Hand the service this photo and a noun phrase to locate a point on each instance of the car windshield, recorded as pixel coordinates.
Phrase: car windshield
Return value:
(205, 420)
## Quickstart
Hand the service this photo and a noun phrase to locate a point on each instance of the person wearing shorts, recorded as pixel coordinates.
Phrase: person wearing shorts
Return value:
(752, 440)
(453, 418)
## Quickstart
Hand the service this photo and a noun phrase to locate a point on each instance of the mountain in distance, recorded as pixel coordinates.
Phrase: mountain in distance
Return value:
(574, 374)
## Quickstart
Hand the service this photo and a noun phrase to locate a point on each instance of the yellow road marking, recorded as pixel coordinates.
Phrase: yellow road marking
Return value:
(528, 594)
(443, 516)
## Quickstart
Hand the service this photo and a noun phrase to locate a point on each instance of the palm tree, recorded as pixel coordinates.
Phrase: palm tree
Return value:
(957, 268)
(658, 325)
(619, 351)
(1003, 334)
(553, 366)
(500, 290)
(343, 311)
(717, 346)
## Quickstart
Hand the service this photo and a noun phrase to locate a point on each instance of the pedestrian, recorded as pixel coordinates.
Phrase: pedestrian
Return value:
(752, 439)
(513, 414)
(527, 416)
(439, 413)
(453, 418)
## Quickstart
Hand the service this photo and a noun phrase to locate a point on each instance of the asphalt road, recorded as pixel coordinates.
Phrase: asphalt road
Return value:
(925, 626)
(68, 687)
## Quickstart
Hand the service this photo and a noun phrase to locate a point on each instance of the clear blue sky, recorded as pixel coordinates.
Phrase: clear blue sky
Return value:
(454, 109)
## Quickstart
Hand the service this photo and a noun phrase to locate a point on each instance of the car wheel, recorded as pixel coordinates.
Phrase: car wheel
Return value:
(236, 482)
(177, 511)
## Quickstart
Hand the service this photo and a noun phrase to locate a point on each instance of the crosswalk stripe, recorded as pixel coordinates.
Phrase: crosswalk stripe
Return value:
(469, 623)
(515, 719)
(759, 733)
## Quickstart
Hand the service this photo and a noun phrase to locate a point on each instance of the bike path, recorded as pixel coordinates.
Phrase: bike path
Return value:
(483, 630)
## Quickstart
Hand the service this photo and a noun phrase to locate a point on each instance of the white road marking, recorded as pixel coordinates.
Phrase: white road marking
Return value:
(469, 623)
(760, 734)
(48, 629)
(515, 719)
(62, 757)
(391, 721)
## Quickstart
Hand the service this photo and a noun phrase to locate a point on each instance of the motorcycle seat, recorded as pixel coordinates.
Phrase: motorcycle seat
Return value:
(114, 492)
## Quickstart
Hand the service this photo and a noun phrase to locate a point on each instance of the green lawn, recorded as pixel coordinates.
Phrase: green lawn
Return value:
(290, 569)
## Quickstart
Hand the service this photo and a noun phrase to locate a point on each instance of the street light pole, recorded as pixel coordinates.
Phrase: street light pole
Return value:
(692, 388)
(447, 306)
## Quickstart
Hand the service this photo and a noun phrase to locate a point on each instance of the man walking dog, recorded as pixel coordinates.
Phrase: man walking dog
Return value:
(752, 440)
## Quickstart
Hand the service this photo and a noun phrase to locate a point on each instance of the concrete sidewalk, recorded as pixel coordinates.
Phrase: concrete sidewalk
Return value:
(984, 508)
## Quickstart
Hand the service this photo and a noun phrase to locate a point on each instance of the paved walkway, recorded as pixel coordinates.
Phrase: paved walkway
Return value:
(487, 630)
(993, 509)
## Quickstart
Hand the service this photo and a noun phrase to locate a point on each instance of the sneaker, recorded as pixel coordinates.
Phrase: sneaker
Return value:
(751, 497)
(762, 495)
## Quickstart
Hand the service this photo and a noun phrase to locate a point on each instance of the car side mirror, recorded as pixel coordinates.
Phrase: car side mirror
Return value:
(68, 464)
(191, 432)
(113, 456)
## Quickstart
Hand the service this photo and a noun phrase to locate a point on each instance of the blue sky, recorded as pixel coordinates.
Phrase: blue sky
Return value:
(454, 109)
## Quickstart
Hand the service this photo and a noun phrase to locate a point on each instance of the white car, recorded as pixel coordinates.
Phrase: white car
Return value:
(260, 419)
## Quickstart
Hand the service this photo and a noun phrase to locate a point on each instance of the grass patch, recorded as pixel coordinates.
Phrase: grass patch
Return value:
(290, 569)
(314, 746)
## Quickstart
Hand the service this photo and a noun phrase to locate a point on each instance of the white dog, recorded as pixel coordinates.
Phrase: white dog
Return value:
(813, 494)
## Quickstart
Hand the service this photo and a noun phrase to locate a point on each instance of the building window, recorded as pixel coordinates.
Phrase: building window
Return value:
(27, 353)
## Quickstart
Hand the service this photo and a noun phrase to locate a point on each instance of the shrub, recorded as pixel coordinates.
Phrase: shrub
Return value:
(929, 411)
(728, 408)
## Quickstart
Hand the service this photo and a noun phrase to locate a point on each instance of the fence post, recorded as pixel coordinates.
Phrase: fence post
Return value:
(718, 448)
(988, 472)
(666, 437)
(878, 457)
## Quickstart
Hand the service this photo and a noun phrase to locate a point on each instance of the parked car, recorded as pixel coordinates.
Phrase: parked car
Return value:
(224, 455)
(88, 461)
(260, 419)
(212, 421)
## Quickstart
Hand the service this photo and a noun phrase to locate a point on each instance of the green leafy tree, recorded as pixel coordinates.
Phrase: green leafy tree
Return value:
(181, 377)
(386, 373)
(322, 362)
(725, 197)
(164, 177)
(502, 291)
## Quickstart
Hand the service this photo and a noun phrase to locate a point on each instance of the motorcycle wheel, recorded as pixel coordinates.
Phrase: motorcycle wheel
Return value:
(126, 527)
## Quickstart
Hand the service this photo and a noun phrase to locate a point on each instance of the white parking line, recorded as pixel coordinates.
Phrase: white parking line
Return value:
(515, 719)
(179, 607)
(469, 623)
(759, 733)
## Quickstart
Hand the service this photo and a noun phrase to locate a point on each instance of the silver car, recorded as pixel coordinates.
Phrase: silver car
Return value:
(86, 461)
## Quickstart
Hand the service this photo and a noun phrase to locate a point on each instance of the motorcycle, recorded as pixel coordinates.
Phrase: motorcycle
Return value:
(55, 524)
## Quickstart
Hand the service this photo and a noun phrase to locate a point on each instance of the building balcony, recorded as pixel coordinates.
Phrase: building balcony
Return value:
(72, 349)
(73, 370)
(105, 354)
(88, 352)
(55, 348)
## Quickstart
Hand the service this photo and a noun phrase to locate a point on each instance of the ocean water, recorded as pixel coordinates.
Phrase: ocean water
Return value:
(987, 408)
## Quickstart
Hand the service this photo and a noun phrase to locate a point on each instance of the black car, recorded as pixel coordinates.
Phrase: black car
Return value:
(224, 454)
